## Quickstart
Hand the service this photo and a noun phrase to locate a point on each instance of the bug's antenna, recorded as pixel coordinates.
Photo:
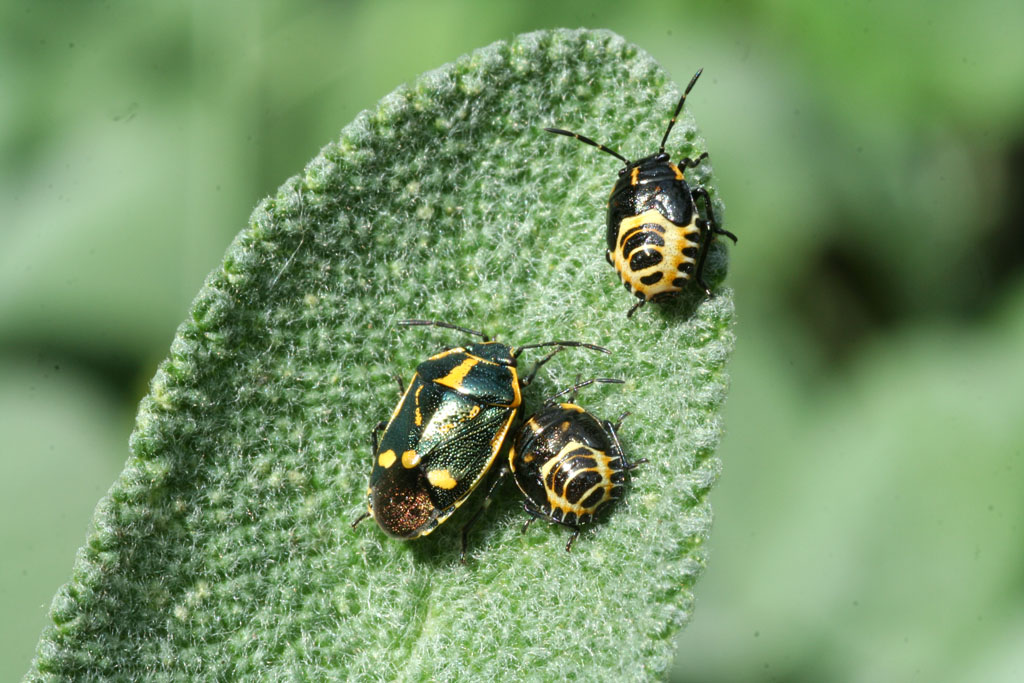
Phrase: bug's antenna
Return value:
(438, 323)
(580, 385)
(594, 347)
(679, 108)
(581, 138)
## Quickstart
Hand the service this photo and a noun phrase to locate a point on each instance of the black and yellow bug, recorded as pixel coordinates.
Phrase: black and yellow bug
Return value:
(567, 462)
(445, 432)
(657, 240)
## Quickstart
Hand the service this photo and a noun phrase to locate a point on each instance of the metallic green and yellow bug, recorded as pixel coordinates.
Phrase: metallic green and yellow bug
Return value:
(446, 432)
(657, 240)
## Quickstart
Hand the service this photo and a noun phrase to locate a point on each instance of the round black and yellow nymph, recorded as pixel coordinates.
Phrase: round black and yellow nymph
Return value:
(657, 238)
(568, 463)
(446, 432)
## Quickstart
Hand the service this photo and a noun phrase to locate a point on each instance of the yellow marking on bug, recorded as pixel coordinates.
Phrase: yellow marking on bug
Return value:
(447, 352)
(442, 516)
(675, 169)
(442, 479)
(574, 450)
(556, 461)
(473, 412)
(676, 238)
(624, 237)
(516, 399)
(606, 486)
(499, 437)
(418, 416)
(635, 225)
(454, 378)
(634, 176)
(386, 459)
(570, 406)
(410, 459)
(650, 216)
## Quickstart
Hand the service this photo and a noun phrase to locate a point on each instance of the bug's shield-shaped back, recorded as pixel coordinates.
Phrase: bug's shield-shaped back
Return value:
(485, 381)
(444, 437)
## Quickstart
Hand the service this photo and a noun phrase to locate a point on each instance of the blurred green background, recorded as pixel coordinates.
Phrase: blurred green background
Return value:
(869, 517)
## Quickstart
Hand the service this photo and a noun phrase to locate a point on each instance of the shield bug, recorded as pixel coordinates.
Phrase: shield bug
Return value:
(657, 239)
(446, 431)
(568, 463)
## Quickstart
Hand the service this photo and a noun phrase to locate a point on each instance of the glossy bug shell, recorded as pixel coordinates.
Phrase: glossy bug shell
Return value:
(653, 235)
(567, 464)
(443, 437)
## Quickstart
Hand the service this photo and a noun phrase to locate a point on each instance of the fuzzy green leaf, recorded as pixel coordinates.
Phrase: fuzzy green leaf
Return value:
(224, 549)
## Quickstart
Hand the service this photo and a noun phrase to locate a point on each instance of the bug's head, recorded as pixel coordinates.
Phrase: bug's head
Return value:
(643, 168)
(492, 351)
(657, 158)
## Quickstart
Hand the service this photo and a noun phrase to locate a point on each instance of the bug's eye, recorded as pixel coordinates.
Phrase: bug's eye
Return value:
(661, 156)
(622, 171)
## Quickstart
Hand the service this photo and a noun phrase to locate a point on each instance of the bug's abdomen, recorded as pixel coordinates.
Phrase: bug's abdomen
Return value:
(653, 256)
(577, 481)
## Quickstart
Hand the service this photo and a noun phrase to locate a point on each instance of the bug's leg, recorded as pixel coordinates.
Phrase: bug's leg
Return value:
(707, 233)
(637, 305)
(573, 537)
(476, 515)
(575, 389)
(687, 162)
(698, 273)
(373, 454)
(613, 430)
(719, 231)
(536, 366)
(537, 514)
(401, 385)
(626, 464)
(534, 516)
(373, 437)
(701, 193)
